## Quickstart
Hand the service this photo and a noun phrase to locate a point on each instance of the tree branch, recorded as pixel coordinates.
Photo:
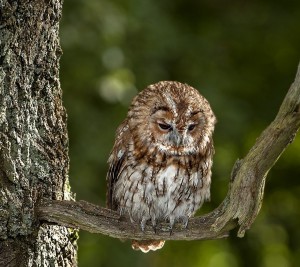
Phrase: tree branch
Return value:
(95, 219)
(239, 208)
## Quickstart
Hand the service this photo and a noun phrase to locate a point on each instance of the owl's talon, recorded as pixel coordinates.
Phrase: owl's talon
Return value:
(172, 222)
(154, 224)
(154, 227)
(185, 222)
(121, 212)
(143, 224)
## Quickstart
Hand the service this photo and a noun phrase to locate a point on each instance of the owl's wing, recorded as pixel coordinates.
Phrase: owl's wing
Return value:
(115, 166)
(116, 162)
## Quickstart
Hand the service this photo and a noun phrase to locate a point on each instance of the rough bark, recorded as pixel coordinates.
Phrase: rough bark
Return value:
(34, 160)
(239, 209)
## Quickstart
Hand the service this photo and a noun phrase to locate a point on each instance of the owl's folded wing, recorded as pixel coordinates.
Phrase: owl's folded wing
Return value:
(116, 162)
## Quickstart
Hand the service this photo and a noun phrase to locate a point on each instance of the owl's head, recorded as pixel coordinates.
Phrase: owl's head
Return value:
(172, 118)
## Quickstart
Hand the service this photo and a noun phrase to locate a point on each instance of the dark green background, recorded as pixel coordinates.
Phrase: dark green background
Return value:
(241, 55)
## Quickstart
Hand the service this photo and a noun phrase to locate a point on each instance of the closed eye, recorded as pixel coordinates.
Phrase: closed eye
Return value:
(165, 126)
(192, 127)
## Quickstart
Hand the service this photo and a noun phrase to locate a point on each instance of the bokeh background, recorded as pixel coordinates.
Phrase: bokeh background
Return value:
(241, 55)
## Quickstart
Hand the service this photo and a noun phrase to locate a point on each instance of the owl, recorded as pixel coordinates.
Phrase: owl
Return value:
(160, 164)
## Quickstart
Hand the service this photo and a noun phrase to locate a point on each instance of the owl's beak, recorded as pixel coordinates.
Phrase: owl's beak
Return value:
(176, 138)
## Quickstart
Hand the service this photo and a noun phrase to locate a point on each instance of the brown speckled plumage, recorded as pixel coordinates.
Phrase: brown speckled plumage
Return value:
(160, 165)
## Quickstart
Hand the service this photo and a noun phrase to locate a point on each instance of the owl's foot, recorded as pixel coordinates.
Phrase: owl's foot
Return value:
(185, 221)
(154, 225)
(143, 224)
(171, 222)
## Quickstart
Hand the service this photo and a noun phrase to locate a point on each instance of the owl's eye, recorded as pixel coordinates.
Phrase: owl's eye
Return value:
(165, 127)
(192, 127)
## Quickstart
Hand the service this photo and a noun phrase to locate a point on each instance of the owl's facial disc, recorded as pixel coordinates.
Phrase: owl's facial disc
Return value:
(176, 132)
(171, 137)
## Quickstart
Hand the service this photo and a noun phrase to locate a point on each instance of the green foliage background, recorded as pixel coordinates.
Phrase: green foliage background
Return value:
(241, 55)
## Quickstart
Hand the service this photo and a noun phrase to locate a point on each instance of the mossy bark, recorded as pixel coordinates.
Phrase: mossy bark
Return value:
(34, 161)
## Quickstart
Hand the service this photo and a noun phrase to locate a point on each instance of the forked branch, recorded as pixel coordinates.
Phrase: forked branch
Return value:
(239, 209)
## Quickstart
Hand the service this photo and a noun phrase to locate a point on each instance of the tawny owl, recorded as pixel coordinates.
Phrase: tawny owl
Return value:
(160, 165)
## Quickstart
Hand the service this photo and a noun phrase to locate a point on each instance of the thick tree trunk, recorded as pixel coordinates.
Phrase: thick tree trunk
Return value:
(34, 160)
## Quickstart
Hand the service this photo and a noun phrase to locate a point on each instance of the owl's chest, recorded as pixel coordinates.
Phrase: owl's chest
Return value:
(171, 181)
(158, 192)
(156, 184)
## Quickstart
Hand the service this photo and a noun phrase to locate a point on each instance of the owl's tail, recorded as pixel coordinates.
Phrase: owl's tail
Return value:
(147, 245)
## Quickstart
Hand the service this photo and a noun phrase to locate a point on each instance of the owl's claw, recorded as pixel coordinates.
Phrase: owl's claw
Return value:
(154, 225)
(143, 224)
(121, 212)
(171, 221)
(185, 222)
